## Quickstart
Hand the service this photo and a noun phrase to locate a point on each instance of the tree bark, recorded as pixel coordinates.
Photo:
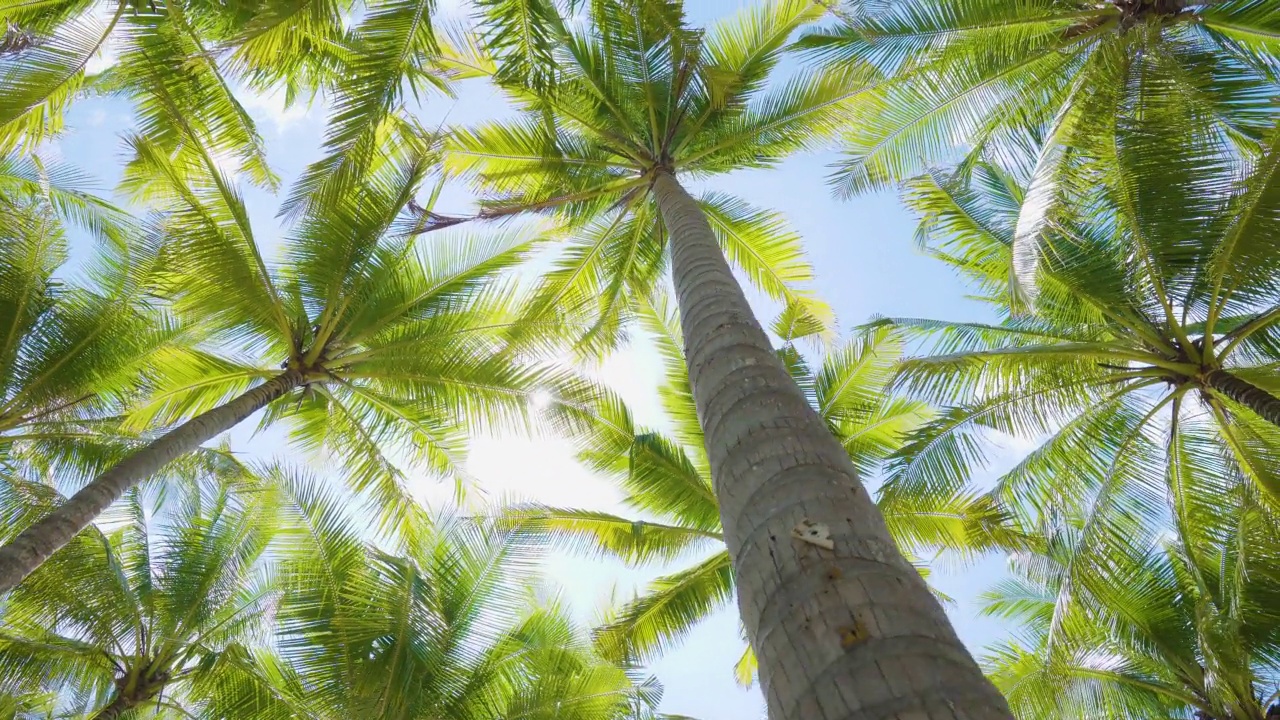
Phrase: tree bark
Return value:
(119, 704)
(1261, 402)
(26, 552)
(841, 633)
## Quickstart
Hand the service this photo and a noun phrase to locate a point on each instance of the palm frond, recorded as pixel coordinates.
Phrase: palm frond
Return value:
(39, 83)
(668, 609)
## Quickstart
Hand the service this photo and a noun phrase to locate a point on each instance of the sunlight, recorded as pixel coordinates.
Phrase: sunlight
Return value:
(541, 399)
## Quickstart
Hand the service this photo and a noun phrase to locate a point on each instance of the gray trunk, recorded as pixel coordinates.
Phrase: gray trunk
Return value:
(1261, 402)
(847, 632)
(22, 555)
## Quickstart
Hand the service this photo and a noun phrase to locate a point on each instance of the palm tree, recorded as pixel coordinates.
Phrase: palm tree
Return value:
(634, 103)
(1180, 625)
(44, 68)
(138, 614)
(254, 594)
(451, 628)
(73, 340)
(969, 72)
(263, 45)
(667, 479)
(364, 338)
(1122, 396)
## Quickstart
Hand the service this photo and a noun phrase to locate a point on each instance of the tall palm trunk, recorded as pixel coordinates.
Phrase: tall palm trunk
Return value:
(119, 706)
(132, 691)
(1266, 405)
(849, 631)
(22, 555)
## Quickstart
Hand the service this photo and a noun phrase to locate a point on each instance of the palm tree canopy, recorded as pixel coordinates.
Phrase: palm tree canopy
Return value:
(135, 613)
(667, 483)
(400, 342)
(964, 75)
(632, 90)
(365, 56)
(74, 342)
(450, 628)
(1132, 435)
(1180, 624)
(254, 594)
(41, 77)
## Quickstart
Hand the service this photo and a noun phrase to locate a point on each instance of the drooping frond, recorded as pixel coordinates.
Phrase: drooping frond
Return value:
(959, 77)
(522, 36)
(668, 610)
(191, 110)
(68, 192)
(39, 82)
(596, 533)
(392, 52)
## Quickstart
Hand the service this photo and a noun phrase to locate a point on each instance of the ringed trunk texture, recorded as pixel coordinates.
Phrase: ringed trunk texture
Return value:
(841, 633)
(1266, 405)
(22, 555)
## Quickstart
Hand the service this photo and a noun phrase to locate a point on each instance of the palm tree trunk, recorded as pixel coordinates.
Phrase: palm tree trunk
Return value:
(115, 709)
(845, 628)
(22, 555)
(1261, 402)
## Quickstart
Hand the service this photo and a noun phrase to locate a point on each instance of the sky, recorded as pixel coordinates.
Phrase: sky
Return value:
(866, 264)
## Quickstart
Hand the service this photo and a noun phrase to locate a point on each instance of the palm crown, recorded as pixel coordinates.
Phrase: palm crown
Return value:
(73, 347)
(255, 595)
(668, 479)
(633, 91)
(971, 72)
(395, 343)
(176, 592)
(364, 338)
(448, 628)
(1181, 625)
(1134, 433)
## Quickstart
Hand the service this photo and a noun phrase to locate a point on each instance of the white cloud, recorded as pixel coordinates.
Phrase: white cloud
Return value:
(270, 107)
(51, 150)
(453, 10)
(105, 58)
(108, 54)
(230, 165)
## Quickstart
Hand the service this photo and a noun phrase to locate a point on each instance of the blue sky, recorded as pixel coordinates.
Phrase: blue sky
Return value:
(866, 265)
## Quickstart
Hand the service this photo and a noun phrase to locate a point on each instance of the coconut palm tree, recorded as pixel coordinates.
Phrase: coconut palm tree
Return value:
(50, 47)
(364, 338)
(1177, 624)
(964, 73)
(215, 602)
(636, 103)
(1109, 383)
(667, 483)
(135, 615)
(74, 339)
(450, 628)
(302, 48)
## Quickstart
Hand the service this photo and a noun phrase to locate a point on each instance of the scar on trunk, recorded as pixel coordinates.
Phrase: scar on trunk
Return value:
(814, 534)
(851, 635)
